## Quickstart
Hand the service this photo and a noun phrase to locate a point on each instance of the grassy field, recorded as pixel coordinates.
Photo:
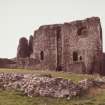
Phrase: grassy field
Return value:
(16, 98)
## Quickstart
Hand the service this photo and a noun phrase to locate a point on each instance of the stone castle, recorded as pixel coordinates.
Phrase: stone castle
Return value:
(73, 47)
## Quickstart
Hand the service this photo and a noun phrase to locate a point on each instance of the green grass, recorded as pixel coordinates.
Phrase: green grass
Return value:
(66, 75)
(16, 98)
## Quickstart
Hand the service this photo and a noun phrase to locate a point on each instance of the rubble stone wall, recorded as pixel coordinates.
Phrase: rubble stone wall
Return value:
(34, 85)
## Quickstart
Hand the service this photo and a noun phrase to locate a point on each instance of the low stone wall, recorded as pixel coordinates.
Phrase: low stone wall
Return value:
(22, 63)
(7, 63)
(45, 85)
(27, 63)
(32, 85)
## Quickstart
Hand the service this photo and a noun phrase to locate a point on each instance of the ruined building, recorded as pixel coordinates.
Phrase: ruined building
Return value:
(74, 47)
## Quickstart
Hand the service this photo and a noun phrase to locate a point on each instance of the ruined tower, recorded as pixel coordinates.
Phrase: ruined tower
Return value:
(75, 46)
(47, 46)
(82, 45)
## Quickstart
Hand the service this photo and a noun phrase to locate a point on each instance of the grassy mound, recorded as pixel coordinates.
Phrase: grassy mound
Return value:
(16, 98)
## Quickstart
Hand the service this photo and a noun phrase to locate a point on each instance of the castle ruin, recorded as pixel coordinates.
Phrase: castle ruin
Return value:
(73, 47)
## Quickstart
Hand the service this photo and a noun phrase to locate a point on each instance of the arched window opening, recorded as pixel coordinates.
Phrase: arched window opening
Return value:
(42, 55)
(82, 31)
(75, 56)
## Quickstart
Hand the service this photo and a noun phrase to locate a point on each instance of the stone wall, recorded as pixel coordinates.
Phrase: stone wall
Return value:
(46, 85)
(23, 48)
(102, 72)
(7, 63)
(78, 67)
(32, 85)
(83, 41)
(28, 63)
(69, 47)
(45, 46)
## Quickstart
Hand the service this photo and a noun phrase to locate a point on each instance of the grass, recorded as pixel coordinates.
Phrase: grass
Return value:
(65, 75)
(16, 98)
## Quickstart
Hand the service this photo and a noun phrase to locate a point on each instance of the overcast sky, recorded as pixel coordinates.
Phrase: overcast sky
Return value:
(20, 18)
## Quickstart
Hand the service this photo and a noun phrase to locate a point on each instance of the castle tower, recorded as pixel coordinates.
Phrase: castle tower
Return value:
(82, 45)
(74, 47)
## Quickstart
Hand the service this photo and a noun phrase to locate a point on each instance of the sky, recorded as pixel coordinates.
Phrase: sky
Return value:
(20, 18)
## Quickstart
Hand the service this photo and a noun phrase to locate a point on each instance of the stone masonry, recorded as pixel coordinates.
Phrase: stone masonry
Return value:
(73, 47)
(46, 85)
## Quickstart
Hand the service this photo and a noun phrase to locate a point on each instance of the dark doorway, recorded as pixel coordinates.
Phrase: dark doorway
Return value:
(42, 55)
(80, 58)
(75, 56)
